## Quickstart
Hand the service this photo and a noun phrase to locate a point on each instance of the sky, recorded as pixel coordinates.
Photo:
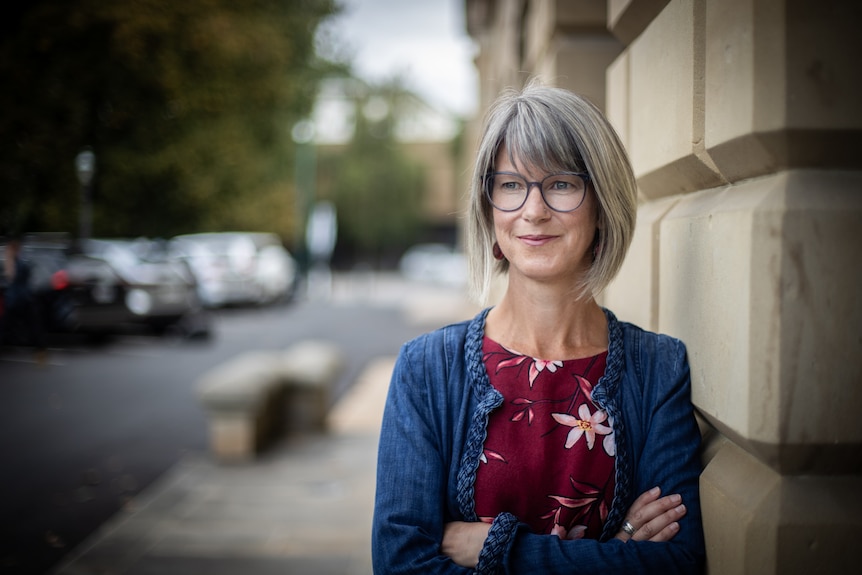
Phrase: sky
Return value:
(425, 42)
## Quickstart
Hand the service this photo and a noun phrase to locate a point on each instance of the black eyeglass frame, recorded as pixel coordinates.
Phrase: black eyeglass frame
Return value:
(489, 178)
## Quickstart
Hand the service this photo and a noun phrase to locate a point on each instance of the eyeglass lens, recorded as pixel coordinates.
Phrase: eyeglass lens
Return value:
(562, 192)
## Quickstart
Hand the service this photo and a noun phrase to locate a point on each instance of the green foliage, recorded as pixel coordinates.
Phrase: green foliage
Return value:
(376, 188)
(187, 105)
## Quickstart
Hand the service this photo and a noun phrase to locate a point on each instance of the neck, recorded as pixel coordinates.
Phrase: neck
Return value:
(548, 323)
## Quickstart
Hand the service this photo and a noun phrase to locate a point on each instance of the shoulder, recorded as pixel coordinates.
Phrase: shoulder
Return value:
(643, 341)
(638, 342)
(435, 369)
(449, 341)
(649, 356)
(656, 376)
(450, 354)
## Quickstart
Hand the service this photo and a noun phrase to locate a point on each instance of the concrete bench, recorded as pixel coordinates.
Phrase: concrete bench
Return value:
(258, 395)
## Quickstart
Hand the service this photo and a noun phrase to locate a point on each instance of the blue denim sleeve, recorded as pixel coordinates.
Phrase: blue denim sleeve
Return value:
(410, 508)
(667, 455)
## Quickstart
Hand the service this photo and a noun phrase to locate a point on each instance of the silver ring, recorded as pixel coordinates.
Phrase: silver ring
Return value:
(629, 528)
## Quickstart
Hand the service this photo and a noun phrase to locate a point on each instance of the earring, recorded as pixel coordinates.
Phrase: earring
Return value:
(597, 246)
(498, 253)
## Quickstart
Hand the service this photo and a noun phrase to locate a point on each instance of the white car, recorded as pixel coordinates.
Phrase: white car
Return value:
(237, 268)
(434, 263)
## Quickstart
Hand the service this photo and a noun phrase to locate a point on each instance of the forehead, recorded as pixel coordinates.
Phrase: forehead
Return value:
(510, 161)
(536, 144)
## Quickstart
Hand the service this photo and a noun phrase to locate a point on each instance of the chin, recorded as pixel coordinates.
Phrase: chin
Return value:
(549, 273)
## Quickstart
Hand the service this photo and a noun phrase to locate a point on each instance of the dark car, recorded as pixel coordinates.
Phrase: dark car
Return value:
(117, 283)
(51, 305)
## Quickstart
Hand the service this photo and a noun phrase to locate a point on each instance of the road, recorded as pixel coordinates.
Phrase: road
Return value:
(87, 429)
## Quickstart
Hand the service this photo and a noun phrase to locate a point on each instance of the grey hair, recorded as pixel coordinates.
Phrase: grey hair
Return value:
(554, 130)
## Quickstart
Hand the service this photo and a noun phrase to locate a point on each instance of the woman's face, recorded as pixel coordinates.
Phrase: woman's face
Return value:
(540, 243)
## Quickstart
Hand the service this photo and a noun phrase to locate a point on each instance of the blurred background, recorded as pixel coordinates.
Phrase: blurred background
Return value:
(184, 181)
(148, 120)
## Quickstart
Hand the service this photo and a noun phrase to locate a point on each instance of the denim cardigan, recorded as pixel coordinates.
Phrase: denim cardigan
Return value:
(434, 427)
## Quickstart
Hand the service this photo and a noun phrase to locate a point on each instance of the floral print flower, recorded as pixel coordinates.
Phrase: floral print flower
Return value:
(486, 453)
(609, 443)
(586, 424)
(576, 532)
(540, 365)
(537, 366)
(587, 500)
(528, 410)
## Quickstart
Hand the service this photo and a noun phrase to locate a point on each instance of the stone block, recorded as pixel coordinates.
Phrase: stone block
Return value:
(758, 521)
(257, 395)
(238, 396)
(634, 294)
(761, 281)
(548, 20)
(309, 371)
(238, 383)
(579, 63)
(617, 96)
(665, 104)
(234, 436)
(545, 20)
(580, 14)
(628, 18)
(792, 103)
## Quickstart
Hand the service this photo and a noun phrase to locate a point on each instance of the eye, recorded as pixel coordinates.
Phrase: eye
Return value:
(563, 184)
(508, 183)
(558, 185)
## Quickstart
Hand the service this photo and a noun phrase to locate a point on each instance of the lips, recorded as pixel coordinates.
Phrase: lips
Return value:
(536, 240)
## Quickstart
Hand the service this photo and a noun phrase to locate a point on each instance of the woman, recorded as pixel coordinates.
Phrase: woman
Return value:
(543, 436)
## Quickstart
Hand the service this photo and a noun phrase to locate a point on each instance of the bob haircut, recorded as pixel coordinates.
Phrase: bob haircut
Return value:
(553, 130)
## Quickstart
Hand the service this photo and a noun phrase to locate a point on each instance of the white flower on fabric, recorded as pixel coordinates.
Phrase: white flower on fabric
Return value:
(586, 424)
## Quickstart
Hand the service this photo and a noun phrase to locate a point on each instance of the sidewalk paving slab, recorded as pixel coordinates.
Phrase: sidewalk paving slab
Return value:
(303, 506)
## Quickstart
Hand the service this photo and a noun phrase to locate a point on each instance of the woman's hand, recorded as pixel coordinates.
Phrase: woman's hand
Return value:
(463, 541)
(653, 518)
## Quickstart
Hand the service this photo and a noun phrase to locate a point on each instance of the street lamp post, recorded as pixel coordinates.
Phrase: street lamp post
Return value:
(85, 167)
(305, 181)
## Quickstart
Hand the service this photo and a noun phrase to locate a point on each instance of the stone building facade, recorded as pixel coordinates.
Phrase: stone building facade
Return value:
(743, 121)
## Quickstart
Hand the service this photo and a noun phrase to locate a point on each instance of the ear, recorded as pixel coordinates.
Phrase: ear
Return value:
(597, 208)
(600, 221)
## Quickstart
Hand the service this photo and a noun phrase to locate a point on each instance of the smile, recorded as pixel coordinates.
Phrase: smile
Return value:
(537, 240)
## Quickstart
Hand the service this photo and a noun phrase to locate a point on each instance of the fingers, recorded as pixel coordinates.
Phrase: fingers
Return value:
(645, 498)
(639, 516)
(663, 527)
(654, 518)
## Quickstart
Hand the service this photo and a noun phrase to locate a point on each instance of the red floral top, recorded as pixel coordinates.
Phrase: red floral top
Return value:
(549, 455)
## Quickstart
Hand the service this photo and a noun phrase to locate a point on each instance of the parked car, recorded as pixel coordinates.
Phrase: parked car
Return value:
(237, 268)
(114, 283)
(45, 254)
(434, 263)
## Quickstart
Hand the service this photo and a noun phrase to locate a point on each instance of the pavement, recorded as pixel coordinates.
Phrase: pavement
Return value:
(303, 506)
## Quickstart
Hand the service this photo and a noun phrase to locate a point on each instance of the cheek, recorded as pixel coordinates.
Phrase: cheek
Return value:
(499, 221)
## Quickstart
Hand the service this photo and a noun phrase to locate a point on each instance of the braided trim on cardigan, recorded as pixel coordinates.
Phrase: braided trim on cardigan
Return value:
(499, 538)
(606, 395)
(489, 399)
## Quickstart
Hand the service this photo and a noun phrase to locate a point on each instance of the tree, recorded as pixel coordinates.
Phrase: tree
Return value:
(376, 188)
(187, 105)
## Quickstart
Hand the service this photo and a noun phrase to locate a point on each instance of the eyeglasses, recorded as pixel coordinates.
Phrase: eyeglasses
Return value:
(563, 192)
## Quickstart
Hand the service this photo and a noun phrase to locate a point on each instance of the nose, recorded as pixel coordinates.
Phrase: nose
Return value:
(535, 207)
